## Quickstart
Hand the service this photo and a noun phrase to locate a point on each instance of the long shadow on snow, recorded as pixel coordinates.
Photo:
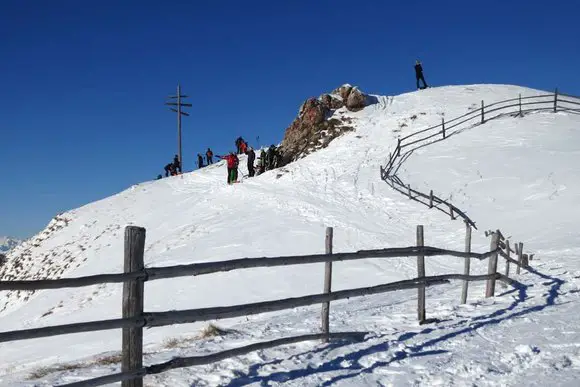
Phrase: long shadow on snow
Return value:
(351, 362)
(491, 319)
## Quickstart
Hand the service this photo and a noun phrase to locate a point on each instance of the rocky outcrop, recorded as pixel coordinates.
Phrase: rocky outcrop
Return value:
(316, 125)
(356, 100)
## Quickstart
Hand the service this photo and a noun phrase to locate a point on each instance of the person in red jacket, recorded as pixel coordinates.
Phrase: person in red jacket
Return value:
(232, 163)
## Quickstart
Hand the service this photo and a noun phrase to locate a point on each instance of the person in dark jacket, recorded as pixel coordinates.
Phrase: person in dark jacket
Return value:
(419, 75)
(209, 156)
(176, 164)
(239, 142)
(262, 162)
(170, 170)
(199, 161)
(271, 158)
(251, 158)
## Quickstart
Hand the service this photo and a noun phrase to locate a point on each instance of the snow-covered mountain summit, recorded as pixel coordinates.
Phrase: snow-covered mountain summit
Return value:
(516, 174)
(8, 243)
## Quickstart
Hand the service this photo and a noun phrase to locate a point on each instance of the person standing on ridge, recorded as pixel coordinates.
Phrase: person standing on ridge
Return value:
(209, 156)
(251, 157)
(169, 170)
(262, 163)
(232, 163)
(239, 141)
(243, 147)
(271, 158)
(176, 164)
(199, 161)
(419, 75)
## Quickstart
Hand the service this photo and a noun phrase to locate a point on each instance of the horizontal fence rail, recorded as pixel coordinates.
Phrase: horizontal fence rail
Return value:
(156, 319)
(195, 269)
(423, 137)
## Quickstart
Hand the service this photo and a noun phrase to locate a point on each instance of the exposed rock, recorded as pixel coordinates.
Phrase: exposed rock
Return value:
(331, 101)
(317, 125)
(356, 100)
(343, 91)
(312, 112)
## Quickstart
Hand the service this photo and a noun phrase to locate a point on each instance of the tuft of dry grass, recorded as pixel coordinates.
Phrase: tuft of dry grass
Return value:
(42, 372)
(108, 360)
(211, 331)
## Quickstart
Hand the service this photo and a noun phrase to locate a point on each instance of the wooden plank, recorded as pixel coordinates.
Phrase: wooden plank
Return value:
(100, 325)
(156, 273)
(70, 282)
(556, 100)
(192, 315)
(420, 274)
(492, 267)
(247, 263)
(327, 285)
(431, 199)
(467, 263)
(155, 319)
(451, 212)
(482, 112)
(443, 125)
(132, 349)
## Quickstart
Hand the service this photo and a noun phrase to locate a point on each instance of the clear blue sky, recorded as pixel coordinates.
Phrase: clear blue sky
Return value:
(82, 83)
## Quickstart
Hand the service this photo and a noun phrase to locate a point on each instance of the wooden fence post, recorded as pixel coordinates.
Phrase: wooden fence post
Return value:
(507, 263)
(421, 274)
(520, 114)
(398, 147)
(451, 212)
(556, 100)
(520, 256)
(409, 188)
(492, 268)
(431, 199)
(467, 262)
(525, 260)
(132, 351)
(327, 286)
(443, 125)
(482, 113)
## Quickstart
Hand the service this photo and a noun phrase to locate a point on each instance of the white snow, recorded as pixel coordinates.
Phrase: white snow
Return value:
(8, 243)
(517, 174)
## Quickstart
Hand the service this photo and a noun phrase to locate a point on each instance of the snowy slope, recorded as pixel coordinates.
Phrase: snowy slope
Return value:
(519, 175)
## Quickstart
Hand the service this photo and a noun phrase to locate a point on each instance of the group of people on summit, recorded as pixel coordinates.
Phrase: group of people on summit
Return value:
(268, 159)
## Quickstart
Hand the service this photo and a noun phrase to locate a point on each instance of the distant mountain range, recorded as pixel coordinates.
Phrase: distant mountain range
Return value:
(7, 243)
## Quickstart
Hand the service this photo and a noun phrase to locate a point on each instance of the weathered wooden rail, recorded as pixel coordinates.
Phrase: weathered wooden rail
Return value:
(134, 318)
(408, 144)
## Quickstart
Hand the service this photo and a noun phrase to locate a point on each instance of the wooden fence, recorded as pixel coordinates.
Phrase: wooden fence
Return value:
(516, 107)
(134, 318)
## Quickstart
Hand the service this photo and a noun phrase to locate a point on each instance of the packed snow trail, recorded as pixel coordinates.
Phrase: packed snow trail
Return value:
(197, 217)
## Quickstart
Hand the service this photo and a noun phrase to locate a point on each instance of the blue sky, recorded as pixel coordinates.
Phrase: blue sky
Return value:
(83, 83)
